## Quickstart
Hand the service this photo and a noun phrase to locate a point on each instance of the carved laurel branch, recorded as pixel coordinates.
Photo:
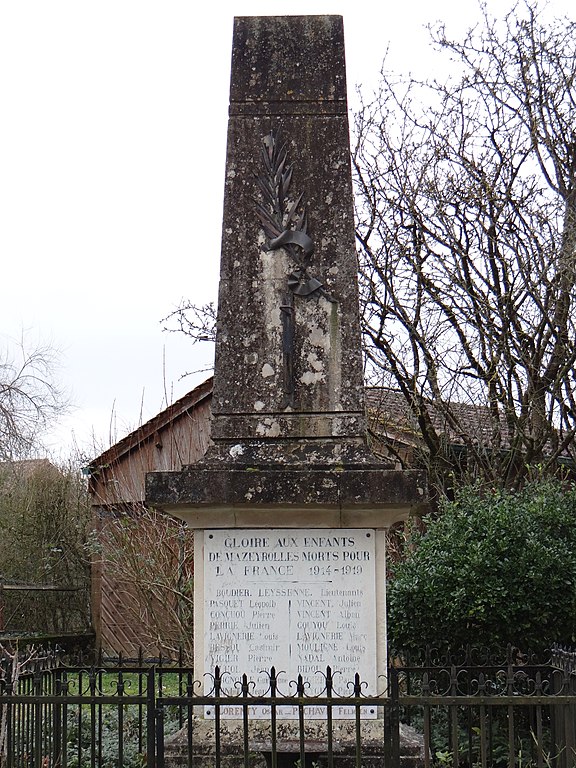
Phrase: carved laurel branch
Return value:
(284, 219)
(278, 213)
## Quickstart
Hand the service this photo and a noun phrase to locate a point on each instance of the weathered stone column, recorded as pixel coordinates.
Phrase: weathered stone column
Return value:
(288, 406)
(289, 434)
(288, 355)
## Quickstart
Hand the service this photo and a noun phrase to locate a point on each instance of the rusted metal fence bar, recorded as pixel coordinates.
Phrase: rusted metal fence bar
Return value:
(127, 715)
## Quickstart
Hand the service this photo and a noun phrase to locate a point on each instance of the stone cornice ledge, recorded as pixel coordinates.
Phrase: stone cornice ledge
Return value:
(248, 492)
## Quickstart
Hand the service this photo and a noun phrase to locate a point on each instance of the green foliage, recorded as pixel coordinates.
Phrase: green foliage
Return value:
(461, 730)
(99, 727)
(44, 518)
(105, 723)
(494, 568)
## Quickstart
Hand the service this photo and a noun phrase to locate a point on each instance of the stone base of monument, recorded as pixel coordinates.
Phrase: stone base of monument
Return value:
(373, 746)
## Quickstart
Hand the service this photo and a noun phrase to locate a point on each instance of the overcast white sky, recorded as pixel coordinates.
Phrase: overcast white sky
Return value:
(112, 149)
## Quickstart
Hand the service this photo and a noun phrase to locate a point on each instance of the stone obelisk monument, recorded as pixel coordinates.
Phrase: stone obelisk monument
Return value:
(289, 506)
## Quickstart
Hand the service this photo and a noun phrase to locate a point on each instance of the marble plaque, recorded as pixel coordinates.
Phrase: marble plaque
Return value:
(299, 600)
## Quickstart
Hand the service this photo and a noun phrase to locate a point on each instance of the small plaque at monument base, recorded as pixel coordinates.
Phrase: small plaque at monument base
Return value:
(296, 600)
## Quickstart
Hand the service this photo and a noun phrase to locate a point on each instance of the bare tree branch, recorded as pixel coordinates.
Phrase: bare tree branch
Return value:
(466, 224)
(30, 399)
(196, 321)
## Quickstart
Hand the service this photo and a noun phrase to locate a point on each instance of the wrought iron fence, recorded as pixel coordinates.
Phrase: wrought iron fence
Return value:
(463, 712)
(474, 710)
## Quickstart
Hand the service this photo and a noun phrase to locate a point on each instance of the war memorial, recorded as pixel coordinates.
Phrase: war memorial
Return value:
(289, 506)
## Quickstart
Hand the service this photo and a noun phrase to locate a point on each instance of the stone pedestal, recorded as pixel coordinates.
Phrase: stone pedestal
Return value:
(374, 753)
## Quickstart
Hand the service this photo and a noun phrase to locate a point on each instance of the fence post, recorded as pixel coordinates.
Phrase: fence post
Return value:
(570, 721)
(37, 688)
(6, 713)
(392, 722)
(151, 718)
(57, 721)
(160, 734)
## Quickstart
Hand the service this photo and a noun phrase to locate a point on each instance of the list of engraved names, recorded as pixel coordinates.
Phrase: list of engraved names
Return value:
(298, 600)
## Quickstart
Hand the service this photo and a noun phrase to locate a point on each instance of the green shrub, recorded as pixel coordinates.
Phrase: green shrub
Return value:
(494, 568)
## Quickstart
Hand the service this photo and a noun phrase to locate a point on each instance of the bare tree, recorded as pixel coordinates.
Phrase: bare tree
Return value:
(195, 320)
(147, 559)
(29, 397)
(466, 220)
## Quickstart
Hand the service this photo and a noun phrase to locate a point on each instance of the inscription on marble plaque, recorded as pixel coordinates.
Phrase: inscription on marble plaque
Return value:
(298, 600)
